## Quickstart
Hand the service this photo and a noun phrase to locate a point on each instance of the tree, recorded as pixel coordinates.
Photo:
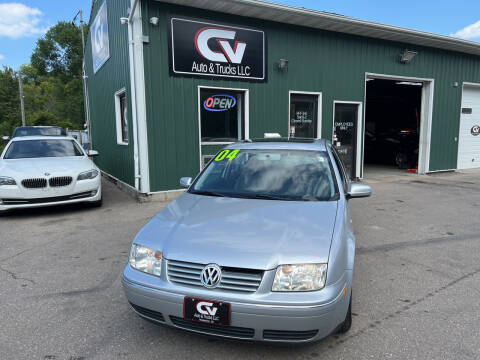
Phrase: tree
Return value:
(52, 83)
(55, 77)
(9, 101)
(59, 52)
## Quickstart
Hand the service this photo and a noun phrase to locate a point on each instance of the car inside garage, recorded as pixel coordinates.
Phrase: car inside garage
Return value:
(392, 124)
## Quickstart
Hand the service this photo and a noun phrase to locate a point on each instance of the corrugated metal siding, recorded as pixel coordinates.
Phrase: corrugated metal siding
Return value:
(114, 159)
(320, 61)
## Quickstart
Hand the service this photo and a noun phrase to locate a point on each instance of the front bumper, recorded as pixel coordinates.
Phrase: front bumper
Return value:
(253, 317)
(16, 197)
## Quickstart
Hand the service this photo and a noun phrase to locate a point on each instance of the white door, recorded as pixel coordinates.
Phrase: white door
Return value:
(469, 135)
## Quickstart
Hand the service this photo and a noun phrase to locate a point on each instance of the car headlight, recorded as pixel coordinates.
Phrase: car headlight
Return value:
(4, 180)
(145, 259)
(303, 277)
(91, 174)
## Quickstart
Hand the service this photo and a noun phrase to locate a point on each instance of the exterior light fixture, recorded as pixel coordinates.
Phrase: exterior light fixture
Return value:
(154, 20)
(407, 56)
(409, 83)
(283, 64)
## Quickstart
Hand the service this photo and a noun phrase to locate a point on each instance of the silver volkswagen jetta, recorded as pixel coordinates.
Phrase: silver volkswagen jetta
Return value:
(260, 247)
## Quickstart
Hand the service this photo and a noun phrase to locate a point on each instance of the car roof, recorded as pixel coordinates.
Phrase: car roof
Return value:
(282, 143)
(40, 137)
(39, 126)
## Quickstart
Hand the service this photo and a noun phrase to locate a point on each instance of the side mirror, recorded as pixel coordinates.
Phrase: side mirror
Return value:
(359, 191)
(5, 138)
(185, 182)
(92, 152)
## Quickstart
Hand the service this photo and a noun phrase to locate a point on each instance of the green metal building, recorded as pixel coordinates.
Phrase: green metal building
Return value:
(171, 82)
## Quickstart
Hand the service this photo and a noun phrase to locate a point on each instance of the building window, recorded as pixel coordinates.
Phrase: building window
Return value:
(304, 114)
(221, 116)
(121, 113)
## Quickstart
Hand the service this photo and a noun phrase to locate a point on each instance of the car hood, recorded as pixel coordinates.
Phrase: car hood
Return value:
(246, 233)
(58, 166)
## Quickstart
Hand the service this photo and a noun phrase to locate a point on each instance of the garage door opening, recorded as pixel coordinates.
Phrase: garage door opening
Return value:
(393, 123)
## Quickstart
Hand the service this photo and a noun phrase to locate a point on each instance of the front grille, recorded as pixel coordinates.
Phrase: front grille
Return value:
(148, 313)
(233, 279)
(230, 331)
(34, 183)
(60, 181)
(46, 200)
(289, 335)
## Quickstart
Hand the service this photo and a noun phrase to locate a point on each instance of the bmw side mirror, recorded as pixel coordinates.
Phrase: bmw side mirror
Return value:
(185, 182)
(5, 138)
(359, 191)
(92, 152)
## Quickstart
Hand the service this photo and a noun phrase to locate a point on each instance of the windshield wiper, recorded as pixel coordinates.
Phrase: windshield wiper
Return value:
(206, 192)
(264, 197)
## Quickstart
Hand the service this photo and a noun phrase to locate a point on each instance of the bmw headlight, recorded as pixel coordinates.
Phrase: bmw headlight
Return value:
(4, 180)
(91, 174)
(145, 259)
(303, 277)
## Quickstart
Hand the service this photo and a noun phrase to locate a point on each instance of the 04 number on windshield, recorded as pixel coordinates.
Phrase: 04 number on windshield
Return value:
(227, 154)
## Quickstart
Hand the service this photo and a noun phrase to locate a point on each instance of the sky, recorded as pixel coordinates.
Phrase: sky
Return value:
(22, 22)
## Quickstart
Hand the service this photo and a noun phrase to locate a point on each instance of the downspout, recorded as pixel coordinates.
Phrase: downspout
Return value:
(131, 51)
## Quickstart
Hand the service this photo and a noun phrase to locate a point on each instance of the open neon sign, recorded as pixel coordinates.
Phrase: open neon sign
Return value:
(219, 102)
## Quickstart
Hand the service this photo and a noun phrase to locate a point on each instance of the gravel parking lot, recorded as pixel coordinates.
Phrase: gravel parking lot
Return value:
(416, 286)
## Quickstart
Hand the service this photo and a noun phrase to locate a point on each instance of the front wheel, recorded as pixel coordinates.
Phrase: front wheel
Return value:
(347, 323)
(97, 204)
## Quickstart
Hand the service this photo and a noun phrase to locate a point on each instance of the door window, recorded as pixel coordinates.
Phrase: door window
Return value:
(345, 135)
(303, 115)
(221, 116)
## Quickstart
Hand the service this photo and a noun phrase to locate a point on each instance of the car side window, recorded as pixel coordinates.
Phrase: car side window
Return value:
(341, 169)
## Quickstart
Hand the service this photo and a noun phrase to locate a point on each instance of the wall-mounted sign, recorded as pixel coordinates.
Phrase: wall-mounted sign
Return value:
(99, 38)
(204, 49)
(219, 103)
(475, 131)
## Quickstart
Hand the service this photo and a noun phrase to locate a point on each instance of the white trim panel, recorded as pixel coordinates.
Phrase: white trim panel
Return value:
(327, 21)
(140, 101)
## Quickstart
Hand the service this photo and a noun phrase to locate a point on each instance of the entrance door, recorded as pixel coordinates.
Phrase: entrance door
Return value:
(222, 120)
(469, 134)
(345, 135)
(304, 115)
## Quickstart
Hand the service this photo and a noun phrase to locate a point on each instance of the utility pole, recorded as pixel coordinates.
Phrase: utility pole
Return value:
(85, 79)
(22, 103)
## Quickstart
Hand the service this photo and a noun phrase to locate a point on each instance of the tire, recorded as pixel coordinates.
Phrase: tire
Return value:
(97, 204)
(347, 323)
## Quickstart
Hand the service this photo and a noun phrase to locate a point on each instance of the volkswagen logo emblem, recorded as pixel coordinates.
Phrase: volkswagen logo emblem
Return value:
(47, 174)
(211, 276)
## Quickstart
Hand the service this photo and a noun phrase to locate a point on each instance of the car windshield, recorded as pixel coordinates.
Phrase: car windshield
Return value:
(269, 174)
(39, 131)
(42, 148)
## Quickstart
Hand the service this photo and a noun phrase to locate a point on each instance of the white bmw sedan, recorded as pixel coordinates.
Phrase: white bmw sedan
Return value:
(47, 170)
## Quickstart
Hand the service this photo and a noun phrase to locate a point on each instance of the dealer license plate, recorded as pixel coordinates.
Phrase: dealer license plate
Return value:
(206, 311)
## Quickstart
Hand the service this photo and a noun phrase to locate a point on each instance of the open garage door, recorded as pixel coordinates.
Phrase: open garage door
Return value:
(392, 123)
(397, 125)
(469, 134)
